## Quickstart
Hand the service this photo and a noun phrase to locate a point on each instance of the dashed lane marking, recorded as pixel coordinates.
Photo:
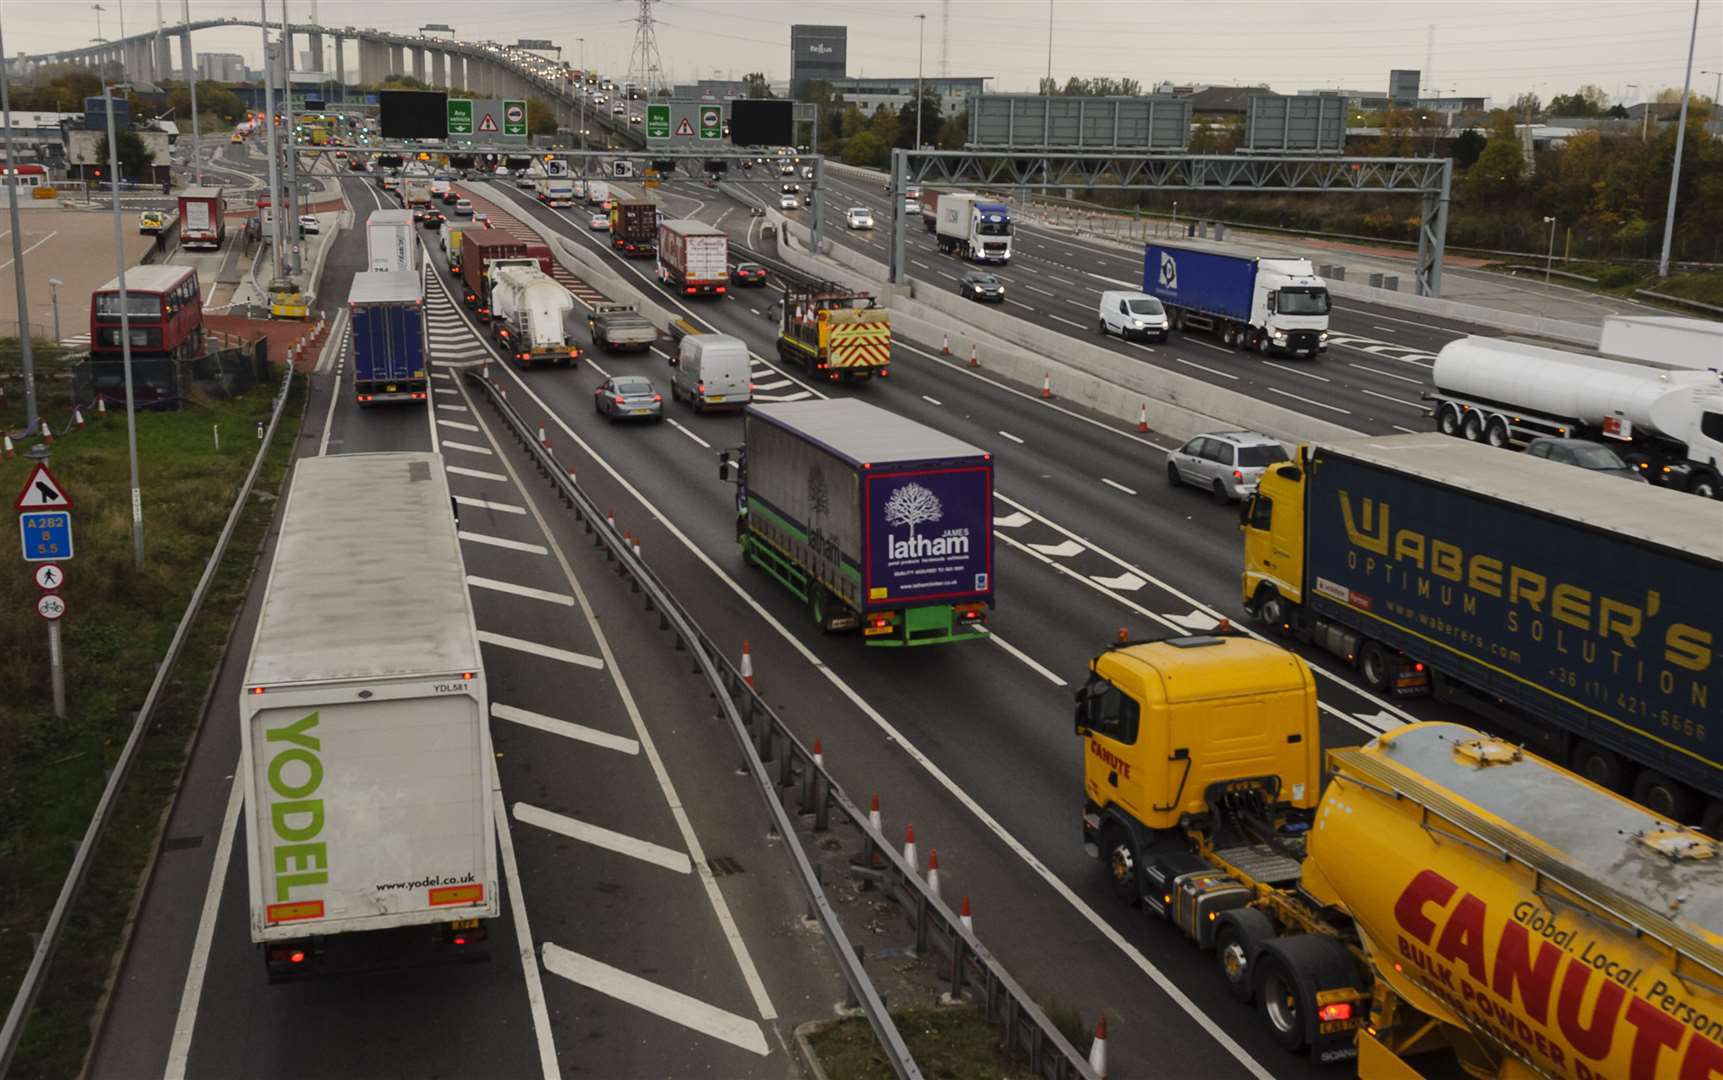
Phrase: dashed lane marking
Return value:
(520, 590)
(608, 839)
(565, 728)
(503, 542)
(1115, 484)
(1028, 661)
(672, 421)
(1297, 371)
(1012, 437)
(1308, 401)
(662, 1001)
(1067, 322)
(503, 641)
(930, 401)
(1398, 401)
(1387, 374)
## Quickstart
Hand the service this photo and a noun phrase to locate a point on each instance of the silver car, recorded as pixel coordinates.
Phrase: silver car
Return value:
(1226, 463)
(628, 397)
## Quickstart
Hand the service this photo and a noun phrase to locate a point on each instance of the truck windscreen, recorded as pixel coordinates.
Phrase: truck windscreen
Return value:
(1303, 302)
(993, 228)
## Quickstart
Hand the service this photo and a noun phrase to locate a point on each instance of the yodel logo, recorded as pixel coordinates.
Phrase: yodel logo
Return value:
(295, 775)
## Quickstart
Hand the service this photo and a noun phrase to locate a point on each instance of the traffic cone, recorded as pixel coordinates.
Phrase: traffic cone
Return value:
(6, 445)
(1124, 635)
(542, 441)
(78, 417)
(1098, 1049)
(47, 435)
(874, 821)
(945, 349)
(1143, 418)
(819, 754)
(1047, 385)
(974, 361)
(909, 854)
(610, 519)
(747, 665)
(964, 915)
(637, 547)
(933, 871)
(101, 407)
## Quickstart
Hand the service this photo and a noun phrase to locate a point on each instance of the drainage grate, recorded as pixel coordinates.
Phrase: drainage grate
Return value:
(724, 866)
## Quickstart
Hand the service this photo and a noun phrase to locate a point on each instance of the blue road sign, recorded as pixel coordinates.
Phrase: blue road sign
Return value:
(47, 535)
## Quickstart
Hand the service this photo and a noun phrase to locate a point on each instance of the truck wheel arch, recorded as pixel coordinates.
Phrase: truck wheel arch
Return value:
(1496, 432)
(1116, 830)
(1238, 939)
(1705, 484)
(1302, 966)
(1448, 419)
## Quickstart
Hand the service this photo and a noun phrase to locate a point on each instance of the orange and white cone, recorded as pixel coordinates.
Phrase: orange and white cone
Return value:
(874, 821)
(78, 418)
(967, 919)
(1047, 385)
(819, 754)
(101, 407)
(1098, 1049)
(748, 669)
(610, 519)
(974, 361)
(637, 547)
(47, 435)
(933, 871)
(542, 441)
(945, 348)
(6, 449)
(1143, 418)
(909, 853)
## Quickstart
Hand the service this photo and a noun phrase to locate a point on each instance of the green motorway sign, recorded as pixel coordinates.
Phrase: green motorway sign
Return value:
(711, 122)
(657, 121)
(460, 116)
(514, 117)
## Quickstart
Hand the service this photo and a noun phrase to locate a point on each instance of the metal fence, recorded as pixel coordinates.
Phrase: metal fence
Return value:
(166, 383)
(783, 767)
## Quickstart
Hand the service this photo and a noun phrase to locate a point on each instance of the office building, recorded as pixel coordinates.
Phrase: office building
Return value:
(817, 54)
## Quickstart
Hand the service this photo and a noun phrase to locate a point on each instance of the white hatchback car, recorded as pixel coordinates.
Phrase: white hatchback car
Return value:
(858, 217)
(787, 201)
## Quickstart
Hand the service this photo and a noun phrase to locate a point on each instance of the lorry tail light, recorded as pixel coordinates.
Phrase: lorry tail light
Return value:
(720, 290)
(1339, 1010)
(689, 290)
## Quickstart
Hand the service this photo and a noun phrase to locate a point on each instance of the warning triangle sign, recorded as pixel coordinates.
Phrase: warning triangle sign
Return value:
(488, 123)
(685, 130)
(42, 492)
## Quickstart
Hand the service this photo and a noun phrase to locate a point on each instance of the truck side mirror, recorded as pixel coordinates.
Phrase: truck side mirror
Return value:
(727, 472)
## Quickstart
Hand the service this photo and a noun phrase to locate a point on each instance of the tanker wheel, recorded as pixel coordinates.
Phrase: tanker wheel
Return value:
(1706, 484)
(1448, 420)
(1496, 434)
(1669, 799)
(1473, 428)
(1602, 767)
(1375, 666)
(1279, 1000)
(1119, 856)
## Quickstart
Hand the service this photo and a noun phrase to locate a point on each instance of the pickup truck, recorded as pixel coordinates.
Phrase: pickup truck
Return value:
(620, 328)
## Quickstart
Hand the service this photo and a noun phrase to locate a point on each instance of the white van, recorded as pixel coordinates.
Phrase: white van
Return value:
(712, 370)
(1132, 315)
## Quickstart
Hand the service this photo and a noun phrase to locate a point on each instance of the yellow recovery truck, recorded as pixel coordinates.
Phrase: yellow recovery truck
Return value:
(1448, 891)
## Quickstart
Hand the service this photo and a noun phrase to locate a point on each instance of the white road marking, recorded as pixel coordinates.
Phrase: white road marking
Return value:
(519, 590)
(1011, 521)
(502, 542)
(1385, 329)
(441, 375)
(778, 384)
(533, 647)
(1116, 484)
(1012, 437)
(1067, 322)
(1381, 720)
(1024, 306)
(468, 448)
(930, 401)
(1210, 345)
(600, 370)
(660, 1000)
(486, 504)
(1064, 549)
(921, 264)
(1060, 280)
(1386, 374)
(1140, 345)
(567, 729)
(1039, 289)
(1126, 582)
(1028, 661)
(1407, 430)
(453, 408)
(1196, 620)
(673, 423)
(179, 1051)
(1398, 401)
(1308, 401)
(598, 836)
(547, 1062)
(476, 474)
(1297, 371)
(458, 425)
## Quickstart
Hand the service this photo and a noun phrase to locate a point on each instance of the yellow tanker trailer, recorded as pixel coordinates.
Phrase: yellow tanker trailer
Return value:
(1447, 892)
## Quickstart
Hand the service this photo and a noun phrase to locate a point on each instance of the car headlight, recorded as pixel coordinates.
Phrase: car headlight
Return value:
(1278, 335)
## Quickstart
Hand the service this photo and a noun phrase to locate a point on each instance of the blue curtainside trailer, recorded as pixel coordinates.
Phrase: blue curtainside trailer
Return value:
(389, 352)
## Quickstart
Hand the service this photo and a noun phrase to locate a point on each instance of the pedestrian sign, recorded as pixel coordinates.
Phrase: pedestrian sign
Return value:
(460, 116)
(711, 122)
(684, 130)
(514, 117)
(488, 123)
(657, 121)
(49, 577)
(47, 535)
(42, 492)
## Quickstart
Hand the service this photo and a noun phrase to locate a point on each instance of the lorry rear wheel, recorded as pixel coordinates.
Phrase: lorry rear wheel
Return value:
(1706, 484)
(1448, 420)
(1280, 1000)
(1496, 434)
(1473, 429)
(1664, 797)
(1602, 767)
(1270, 607)
(1376, 666)
(1236, 945)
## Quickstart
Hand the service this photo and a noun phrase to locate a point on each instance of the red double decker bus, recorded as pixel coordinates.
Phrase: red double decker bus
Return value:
(166, 314)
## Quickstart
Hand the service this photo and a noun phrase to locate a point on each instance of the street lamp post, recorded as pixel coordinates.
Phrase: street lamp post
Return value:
(1680, 141)
(191, 82)
(25, 358)
(580, 92)
(920, 49)
(125, 333)
(1549, 259)
(54, 284)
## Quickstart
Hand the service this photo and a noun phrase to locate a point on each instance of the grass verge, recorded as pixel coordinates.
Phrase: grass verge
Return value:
(948, 1042)
(1613, 279)
(117, 628)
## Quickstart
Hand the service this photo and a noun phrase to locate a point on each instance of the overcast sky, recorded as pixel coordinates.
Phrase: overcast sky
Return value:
(1495, 49)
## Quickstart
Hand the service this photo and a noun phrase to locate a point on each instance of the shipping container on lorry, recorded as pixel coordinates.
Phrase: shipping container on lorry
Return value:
(1274, 305)
(634, 227)
(450, 238)
(1572, 610)
(389, 343)
(974, 227)
(202, 218)
(479, 249)
(1669, 341)
(829, 329)
(1666, 421)
(875, 521)
(533, 317)
(365, 750)
(930, 211)
(390, 241)
(694, 258)
(1446, 899)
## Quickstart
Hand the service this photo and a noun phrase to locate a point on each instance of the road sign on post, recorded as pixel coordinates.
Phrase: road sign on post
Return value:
(711, 122)
(658, 121)
(45, 531)
(46, 534)
(460, 116)
(514, 118)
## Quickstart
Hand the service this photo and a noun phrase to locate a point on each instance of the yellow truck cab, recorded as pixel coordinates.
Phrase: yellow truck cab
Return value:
(152, 222)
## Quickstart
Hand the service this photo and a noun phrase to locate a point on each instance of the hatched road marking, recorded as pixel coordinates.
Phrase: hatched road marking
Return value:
(567, 729)
(503, 641)
(468, 447)
(660, 1000)
(527, 591)
(1064, 549)
(498, 541)
(486, 504)
(476, 474)
(608, 839)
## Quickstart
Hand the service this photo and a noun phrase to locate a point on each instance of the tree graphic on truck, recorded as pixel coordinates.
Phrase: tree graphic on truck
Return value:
(912, 505)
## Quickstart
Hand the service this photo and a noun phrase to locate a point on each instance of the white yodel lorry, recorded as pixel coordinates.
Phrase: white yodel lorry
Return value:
(974, 227)
(1666, 422)
(365, 751)
(533, 316)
